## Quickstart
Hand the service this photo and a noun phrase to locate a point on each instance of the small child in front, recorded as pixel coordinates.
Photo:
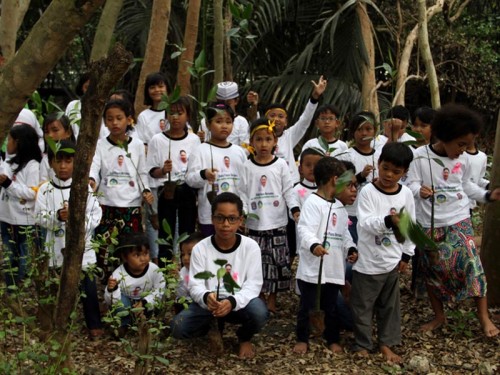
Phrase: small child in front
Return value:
(243, 254)
(375, 283)
(324, 232)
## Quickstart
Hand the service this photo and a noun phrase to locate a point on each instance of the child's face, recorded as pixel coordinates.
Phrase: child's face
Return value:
(264, 143)
(389, 175)
(62, 166)
(457, 146)
(117, 121)
(177, 118)
(327, 123)
(350, 192)
(11, 145)
(137, 260)
(232, 103)
(423, 129)
(364, 134)
(220, 126)
(56, 131)
(186, 250)
(156, 91)
(280, 118)
(307, 164)
(226, 220)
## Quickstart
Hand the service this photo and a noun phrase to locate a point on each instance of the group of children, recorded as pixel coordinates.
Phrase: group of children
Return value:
(225, 188)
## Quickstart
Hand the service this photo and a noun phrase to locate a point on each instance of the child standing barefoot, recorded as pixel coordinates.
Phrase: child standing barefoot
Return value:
(460, 276)
(266, 190)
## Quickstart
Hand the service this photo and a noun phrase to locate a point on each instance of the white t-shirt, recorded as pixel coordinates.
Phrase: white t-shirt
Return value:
(239, 135)
(478, 162)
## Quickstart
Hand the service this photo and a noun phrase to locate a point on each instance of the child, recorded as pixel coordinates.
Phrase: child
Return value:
(57, 127)
(422, 125)
(326, 119)
(74, 108)
(51, 213)
(269, 203)
(215, 165)
(321, 235)
(243, 254)
(149, 120)
(182, 291)
(19, 178)
(375, 281)
(165, 163)
(137, 282)
(363, 155)
(395, 127)
(478, 161)
(460, 276)
(118, 173)
(227, 93)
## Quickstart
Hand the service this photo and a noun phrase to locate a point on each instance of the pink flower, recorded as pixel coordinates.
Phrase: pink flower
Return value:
(349, 222)
(302, 192)
(457, 168)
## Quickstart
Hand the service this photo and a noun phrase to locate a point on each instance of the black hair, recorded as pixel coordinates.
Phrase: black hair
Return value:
(124, 105)
(227, 197)
(184, 102)
(274, 106)
(214, 108)
(310, 151)
(63, 119)
(194, 237)
(425, 114)
(152, 79)
(27, 146)
(349, 166)
(358, 119)
(327, 168)
(79, 86)
(453, 121)
(400, 113)
(128, 97)
(64, 146)
(130, 242)
(326, 108)
(397, 154)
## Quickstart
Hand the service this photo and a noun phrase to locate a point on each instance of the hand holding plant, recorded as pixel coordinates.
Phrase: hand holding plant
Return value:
(319, 251)
(211, 174)
(426, 192)
(148, 197)
(167, 167)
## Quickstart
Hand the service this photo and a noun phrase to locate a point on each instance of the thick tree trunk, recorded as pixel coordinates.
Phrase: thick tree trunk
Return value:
(39, 54)
(369, 95)
(190, 36)
(228, 66)
(218, 42)
(13, 12)
(104, 74)
(425, 49)
(105, 28)
(491, 234)
(158, 30)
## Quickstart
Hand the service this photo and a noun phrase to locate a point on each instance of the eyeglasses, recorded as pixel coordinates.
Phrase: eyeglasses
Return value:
(220, 219)
(325, 119)
(352, 185)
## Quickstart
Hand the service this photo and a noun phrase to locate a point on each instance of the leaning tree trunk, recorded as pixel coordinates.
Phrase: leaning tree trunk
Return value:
(228, 24)
(425, 49)
(104, 74)
(39, 53)
(218, 42)
(491, 234)
(190, 36)
(104, 32)
(158, 30)
(12, 15)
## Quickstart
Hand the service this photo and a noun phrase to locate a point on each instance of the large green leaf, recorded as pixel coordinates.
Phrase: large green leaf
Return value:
(414, 232)
(205, 275)
(229, 283)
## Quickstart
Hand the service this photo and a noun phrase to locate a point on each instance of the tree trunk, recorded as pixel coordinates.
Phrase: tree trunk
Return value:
(105, 28)
(158, 30)
(104, 74)
(368, 93)
(425, 49)
(13, 12)
(218, 42)
(190, 36)
(491, 234)
(39, 53)
(228, 66)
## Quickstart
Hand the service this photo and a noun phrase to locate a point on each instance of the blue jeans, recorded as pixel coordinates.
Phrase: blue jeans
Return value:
(195, 321)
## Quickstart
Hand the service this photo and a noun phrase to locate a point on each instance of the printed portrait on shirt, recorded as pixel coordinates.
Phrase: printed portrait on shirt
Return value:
(226, 164)
(183, 156)
(334, 219)
(163, 124)
(446, 173)
(393, 211)
(262, 183)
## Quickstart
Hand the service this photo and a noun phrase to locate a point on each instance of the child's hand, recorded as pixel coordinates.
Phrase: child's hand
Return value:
(425, 192)
(253, 98)
(212, 302)
(320, 251)
(2, 178)
(319, 88)
(201, 135)
(395, 220)
(353, 257)
(346, 291)
(64, 212)
(495, 194)
(167, 167)
(296, 216)
(403, 266)
(211, 174)
(93, 184)
(112, 283)
(223, 309)
(367, 170)
(148, 197)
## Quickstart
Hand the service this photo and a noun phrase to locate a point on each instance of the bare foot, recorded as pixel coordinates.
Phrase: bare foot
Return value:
(362, 353)
(433, 324)
(389, 355)
(300, 348)
(247, 350)
(271, 303)
(489, 329)
(335, 348)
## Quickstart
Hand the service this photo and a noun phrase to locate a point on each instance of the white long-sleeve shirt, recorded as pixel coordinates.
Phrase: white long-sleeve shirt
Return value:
(336, 146)
(478, 161)
(246, 270)
(50, 199)
(378, 250)
(317, 217)
(239, 135)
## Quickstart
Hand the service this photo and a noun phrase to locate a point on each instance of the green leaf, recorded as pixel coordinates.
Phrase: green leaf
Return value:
(438, 161)
(175, 54)
(205, 275)
(409, 143)
(323, 143)
(212, 93)
(229, 282)
(342, 181)
(415, 134)
(414, 232)
(252, 216)
(220, 262)
(200, 60)
(68, 150)
(166, 228)
(53, 145)
(233, 32)
(162, 360)
(247, 12)
(220, 273)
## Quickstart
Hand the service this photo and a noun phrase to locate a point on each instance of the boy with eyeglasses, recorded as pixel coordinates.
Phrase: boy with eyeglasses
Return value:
(243, 305)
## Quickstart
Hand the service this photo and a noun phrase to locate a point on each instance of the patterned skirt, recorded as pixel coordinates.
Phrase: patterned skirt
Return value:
(458, 273)
(275, 259)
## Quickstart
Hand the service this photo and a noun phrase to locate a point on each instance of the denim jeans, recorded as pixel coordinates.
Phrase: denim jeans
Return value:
(195, 321)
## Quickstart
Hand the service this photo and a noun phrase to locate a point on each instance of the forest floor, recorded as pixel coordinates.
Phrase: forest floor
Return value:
(457, 348)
